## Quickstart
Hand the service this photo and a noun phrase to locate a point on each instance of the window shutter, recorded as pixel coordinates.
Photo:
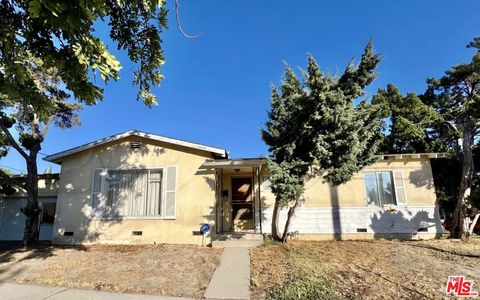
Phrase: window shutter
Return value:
(97, 191)
(399, 188)
(170, 192)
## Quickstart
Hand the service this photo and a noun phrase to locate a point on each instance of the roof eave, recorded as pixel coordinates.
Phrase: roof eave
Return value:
(57, 157)
(233, 164)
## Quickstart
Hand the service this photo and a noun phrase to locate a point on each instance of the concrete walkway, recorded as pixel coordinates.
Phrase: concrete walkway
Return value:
(11, 291)
(231, 279)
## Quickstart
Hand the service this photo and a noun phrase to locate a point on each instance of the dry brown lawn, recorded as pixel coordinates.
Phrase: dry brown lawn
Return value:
(368, 269)
(175, 270)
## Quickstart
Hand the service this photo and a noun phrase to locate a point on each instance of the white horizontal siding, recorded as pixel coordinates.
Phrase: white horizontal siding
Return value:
(328, 220)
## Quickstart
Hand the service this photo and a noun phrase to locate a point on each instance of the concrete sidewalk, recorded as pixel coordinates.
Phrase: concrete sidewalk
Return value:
(11, 291)
(231, 279)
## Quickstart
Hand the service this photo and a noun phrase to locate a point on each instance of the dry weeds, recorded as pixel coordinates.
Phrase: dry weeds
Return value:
(175, 270)
(369, 269)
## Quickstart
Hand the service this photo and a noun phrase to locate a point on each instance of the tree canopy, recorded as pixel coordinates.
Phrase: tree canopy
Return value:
(446, 118)
(49, 61)
(409, 124)
(62, 35)
(456, 97)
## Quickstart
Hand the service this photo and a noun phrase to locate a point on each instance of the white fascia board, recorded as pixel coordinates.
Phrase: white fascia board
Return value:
(413, 155)
(232, 164)
(57, 156)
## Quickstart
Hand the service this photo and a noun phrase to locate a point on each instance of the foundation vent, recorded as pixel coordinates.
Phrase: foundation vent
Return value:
(68, 233)
(137, 232)
(423, 229)
(361, 229)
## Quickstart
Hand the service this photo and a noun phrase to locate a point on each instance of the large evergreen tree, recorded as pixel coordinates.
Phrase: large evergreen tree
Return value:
(410, 125)
(314, 129)
(444, 119)
(456, 97)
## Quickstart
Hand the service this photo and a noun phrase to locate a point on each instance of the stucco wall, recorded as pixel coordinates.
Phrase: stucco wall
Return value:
(195, 195)
(417, 176)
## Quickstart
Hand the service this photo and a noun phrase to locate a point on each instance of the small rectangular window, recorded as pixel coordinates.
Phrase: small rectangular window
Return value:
(379, 188)
(48, 213)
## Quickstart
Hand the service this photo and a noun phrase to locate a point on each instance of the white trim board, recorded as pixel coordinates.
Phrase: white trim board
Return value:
(57, 157)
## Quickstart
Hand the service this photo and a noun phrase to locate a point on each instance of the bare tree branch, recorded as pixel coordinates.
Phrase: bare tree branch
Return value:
(177, 15)
(13, 142)
(451, 126)
(43, 134)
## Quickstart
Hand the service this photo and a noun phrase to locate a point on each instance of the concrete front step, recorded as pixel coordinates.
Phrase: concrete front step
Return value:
(240, 243)
(237, 240)
(239, 236)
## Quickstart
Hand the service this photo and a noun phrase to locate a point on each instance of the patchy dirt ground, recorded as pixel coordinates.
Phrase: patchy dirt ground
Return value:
(175, 270)
(368, 269)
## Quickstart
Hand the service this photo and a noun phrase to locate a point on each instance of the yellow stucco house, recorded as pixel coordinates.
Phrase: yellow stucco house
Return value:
(137, 187)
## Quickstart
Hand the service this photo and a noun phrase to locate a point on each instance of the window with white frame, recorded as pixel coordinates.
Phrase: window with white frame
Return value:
(384, 188)
(134, 193)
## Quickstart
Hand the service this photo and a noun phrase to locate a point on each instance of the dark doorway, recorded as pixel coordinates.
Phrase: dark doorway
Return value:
(242, 203)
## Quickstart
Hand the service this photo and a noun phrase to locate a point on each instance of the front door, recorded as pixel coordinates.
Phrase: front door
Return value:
(242, 203)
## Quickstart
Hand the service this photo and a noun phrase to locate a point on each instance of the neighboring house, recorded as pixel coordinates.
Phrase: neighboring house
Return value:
(137, 187)
(12, 221)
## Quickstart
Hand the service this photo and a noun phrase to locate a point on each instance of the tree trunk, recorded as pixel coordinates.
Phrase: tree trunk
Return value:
(32, 210)
(291, 212)
(458, 223)
(276, 214)
(472, 225)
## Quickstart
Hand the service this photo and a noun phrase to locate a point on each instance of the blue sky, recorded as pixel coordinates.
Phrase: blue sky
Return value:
(217, 87)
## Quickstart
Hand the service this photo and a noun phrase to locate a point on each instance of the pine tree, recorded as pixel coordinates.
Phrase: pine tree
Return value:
(456, 97)
(412, 125)
(314, 129)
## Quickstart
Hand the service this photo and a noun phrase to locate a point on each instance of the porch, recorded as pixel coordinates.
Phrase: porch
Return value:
(238, 204)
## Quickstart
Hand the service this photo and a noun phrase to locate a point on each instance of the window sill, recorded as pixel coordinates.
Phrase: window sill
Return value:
(388, 206)
(106, 219)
